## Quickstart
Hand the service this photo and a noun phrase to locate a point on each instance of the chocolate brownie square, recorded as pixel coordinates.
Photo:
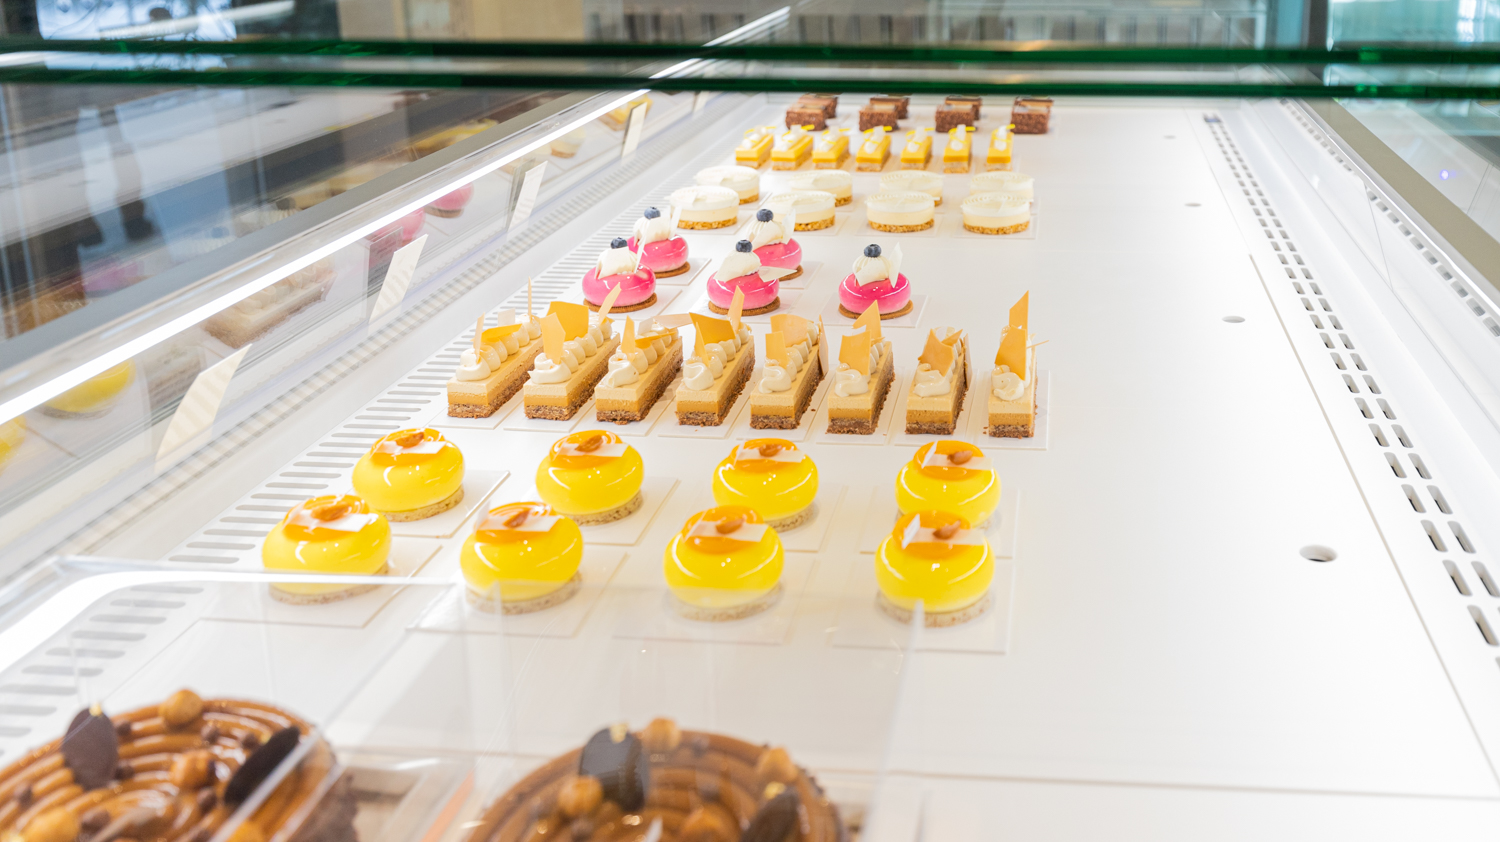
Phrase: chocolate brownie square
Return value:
(951, 116)
(874, 114)
(901, 103)
(966, 100)
(804, 114)
(1030, 114)
(828, 102)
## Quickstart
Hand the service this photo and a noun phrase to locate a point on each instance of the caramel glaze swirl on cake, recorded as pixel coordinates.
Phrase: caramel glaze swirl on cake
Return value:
(702, 787)
(173, 772)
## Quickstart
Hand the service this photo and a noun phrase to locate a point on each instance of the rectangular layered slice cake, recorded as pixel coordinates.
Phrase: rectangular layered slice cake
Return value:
(859, 414)
(936, 395)
(704, 397)
(556, 390)
(652, 362)
(783, 394)
(1012, 387)
(1014, 419)
(481, 396)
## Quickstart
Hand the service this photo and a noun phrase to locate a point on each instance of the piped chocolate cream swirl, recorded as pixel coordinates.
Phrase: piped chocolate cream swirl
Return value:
(173, 772)
(701, 787)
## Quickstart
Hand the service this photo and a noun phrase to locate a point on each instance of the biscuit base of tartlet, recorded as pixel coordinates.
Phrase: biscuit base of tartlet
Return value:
(901, 229)
(750, 200)
(732, 612)
(754, 311)
(817, 225)
(707, 226)
(629, 308)
(935, 619)
(841, 201)
(672, 273)
(289, 598)
(527, 606)
(621, 512)
(793, 520)
(1003, 229)
(424, 512)
(894, 314)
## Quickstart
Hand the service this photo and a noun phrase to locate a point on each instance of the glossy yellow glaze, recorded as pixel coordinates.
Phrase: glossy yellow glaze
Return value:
(96, 393)
(392, 478)
(582, 484)
(522, 565)
(773, 489)
(713, 572)
(946, 577)
(12, 434)
(298, 545)
(969, 493)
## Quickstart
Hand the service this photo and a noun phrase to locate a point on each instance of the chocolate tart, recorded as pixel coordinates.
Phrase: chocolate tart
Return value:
(698, 785)
(176, 772)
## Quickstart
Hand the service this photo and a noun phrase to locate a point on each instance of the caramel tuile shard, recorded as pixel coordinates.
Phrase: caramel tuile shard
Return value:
(936, 354)
(736, 309)
(553, 338)
(854, 351)
(776, 348)
(870, 320)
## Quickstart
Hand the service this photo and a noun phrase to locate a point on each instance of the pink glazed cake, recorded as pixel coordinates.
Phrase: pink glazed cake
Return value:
(741, 271)
(664, 254)
(876, 279)
(617, 267)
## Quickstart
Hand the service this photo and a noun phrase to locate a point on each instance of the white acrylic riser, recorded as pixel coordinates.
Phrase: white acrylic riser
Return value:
(1171, 659)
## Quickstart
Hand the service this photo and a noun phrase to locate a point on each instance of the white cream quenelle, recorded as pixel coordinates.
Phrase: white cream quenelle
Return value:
(652, 227)
(472, 367)
(533, 329)
(882, 266)
(545, 371)
(1007, 385)
(775, 379)
(931, 383)
(767, 230)
(696, 375)
(623, 370)
(617, 259)
(848, 381)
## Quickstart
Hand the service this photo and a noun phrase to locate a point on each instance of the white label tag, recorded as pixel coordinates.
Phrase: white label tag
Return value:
(749, 533)
(916, 533)
(504, 317)
(608, 451)
(750, 454)
(200, 405)
(534, 523)
(933, 459)
(531, 185)
(700, 99)
(347, 523)
(634, 129)
(398, 277)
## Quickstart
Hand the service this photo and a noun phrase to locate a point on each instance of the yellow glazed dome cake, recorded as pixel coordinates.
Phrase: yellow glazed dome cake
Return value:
(95, 395)
(949, 476)
(936, 558)
(772, 477)
(591, 476)
(526, 554)
(411, 475)
(725, 564)
(332, 535)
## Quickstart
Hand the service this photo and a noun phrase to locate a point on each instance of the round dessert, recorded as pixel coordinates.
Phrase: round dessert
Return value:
(949, 476)
(1002, 182)
(936, 558)
(591, 476)
(407, 228)
(411, 475)
(617, 267)
(526, 554)
(772, 477)
(838, 182)
(333, 534)
(664, 255)
(771, 237)
(876, 279)
(741, 270)
(913, 180)
(813, 208)
(12, 436)
(996, 213)
(744, 181)
(94, 396)
(453, 204)
(699, 786)
(178, 771)
(706, 206)
(725, 564)
(900, 212)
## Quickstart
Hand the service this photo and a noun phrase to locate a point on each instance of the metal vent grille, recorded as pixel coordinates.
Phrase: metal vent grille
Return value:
(1432, 512)
(235, 537)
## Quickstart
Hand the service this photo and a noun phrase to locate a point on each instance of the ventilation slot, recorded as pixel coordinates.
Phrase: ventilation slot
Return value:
(1484, 626)
(1460, 536)
(1411, 497)
(1434, 537)
(1457, 577)
(1439, 499)
(1484, 579)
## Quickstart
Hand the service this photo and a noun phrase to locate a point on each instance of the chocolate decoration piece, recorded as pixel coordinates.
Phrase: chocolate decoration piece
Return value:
(207, 799)
(775, 819)
(94, 820)
(91, 749)
(210, 734)
(251, 741)
(124, 771)
(260, 764)
(122, 728)
(620, 766)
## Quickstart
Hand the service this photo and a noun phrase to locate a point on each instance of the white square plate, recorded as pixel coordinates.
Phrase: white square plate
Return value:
(649, 614)
(979, 418)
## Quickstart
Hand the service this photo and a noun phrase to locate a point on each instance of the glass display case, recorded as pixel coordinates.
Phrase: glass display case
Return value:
(641, 432)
